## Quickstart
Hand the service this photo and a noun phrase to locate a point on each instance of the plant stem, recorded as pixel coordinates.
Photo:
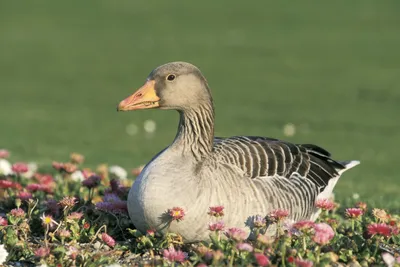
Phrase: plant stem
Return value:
(318, 252)
(232, 258)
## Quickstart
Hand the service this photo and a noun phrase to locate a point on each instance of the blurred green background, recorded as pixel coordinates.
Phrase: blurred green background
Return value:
(332, 69)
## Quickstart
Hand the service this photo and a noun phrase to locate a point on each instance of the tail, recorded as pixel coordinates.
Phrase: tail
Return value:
(348, 165)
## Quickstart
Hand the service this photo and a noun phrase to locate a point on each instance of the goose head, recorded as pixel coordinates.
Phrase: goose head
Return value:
(176, 85)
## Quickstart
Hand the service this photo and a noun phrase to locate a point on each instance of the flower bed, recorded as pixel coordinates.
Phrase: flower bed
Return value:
(75, 216)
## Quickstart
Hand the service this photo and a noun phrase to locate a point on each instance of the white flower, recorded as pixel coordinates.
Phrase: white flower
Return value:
(150, 126)
(356, 196)
(389, 259)
(32, 168)
(3, 254)
(132, 129)
(114, 265)
(77, 176)
(118, 172)
(5, 167)
(289, 129)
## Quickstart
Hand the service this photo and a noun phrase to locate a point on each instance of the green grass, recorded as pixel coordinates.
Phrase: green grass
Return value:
(330, 68)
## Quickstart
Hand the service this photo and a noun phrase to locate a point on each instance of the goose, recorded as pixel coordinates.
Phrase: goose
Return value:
(248, 175)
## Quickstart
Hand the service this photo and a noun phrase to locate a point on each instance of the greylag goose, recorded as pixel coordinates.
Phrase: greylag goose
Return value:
(248, 175)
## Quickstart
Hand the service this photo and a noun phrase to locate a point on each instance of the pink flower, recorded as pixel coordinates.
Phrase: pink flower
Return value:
(19, 167)
(216, 211)
(151, 232)
(23, 195)
(75, 216)
(42, 252)
(278, 214)
(19, 213)
(303, 263)
(261, 259)
(323, 233)
(73, 252)
(173, 255)
(176, 213)
(362, 205)
(92, 181)
(66, 167)
(108, 240)
(244, 247)
(39, 187)
(236, 234)
(259, 221)
(303, 225)
(354, 213)
(325, 204)
(4, 154)
(216, 226)
(379, 229)
(64, 233)
(67, 202)
(3, 221)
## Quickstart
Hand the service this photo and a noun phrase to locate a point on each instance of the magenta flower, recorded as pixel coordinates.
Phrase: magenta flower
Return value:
(108, 240)
(6, 184)
(112, 203)
(4, 154)
(216, 226)
(92, 181)
(325, 204)
(38, 187)
(19, 167)
(323, 233)
(23, 195)
(216, 211)
(3, 221)
(379, 229)
(354, 213)
(244, 247)
(176, 213)
(236, 234)
(261, 259)
(303, 263)
(173, 255)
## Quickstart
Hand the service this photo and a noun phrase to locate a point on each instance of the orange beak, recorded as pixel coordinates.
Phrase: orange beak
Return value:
(143, 98)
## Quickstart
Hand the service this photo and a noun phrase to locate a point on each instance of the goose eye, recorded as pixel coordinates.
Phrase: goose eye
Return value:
(171, 77)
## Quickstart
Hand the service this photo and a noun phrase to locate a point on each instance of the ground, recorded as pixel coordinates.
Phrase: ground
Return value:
(330, 69)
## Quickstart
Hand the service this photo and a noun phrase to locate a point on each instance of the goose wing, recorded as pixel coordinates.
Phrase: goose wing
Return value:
(260, 157)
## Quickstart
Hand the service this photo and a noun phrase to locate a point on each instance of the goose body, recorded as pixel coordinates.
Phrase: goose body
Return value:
(247, 175)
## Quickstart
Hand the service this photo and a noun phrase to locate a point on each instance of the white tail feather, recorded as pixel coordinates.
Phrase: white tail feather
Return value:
(349, 165)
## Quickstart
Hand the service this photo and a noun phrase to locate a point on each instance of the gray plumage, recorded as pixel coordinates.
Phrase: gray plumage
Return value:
(247, 175)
